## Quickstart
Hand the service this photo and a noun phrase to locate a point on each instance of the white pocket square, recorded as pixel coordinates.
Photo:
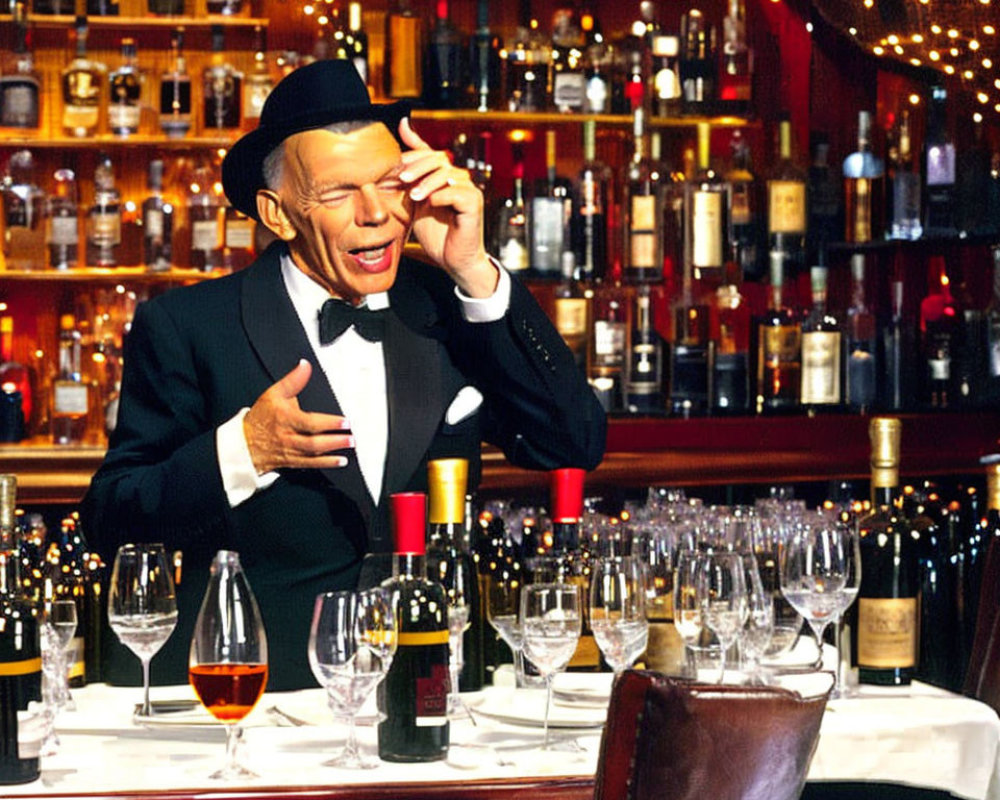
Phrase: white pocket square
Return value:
(466, 403)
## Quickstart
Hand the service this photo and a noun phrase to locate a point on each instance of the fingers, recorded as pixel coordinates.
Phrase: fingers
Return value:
(295, 381)
(410, 137)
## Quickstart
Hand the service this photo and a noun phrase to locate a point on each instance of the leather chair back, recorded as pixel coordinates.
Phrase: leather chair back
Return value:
(676, 740)
(982, 677)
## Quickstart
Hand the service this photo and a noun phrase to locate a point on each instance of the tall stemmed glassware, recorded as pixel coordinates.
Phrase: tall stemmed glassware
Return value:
(756, 634)
(142, 606)
(352, 639)
(814, 571)
(618, 609)
(456, 576)
(723, 596)
(848, 595)
(227, 664)
(551, 621)
(687, 604)
(503, 608)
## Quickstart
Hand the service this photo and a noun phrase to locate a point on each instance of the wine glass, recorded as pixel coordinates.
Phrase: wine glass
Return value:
(814, 571)
(848, 594)
(618, 609)
(227, 663)
(352, 640)
(456, 574)
(142, 605)
(551, 620)
(503, 606)
(687, 605)
(62, 616)
(755, 636)
(722, 593)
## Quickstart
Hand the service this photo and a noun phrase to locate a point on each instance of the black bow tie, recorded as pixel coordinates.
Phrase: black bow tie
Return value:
(336, 316)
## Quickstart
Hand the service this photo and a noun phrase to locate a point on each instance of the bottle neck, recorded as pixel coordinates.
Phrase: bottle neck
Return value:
(884, 496)
(409, 566)
(10, 572)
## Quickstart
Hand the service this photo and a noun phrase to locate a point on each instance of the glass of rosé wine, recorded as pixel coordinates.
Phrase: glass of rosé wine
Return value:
(227, 665)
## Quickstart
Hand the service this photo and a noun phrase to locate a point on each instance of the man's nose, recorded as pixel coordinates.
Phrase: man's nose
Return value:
(370, 209)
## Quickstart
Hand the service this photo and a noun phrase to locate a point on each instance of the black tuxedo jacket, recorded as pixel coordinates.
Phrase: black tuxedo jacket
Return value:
(195, 356)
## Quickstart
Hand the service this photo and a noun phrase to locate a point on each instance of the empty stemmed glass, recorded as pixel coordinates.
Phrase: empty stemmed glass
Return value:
(755, 636)
(618, 609)
(687, 604)
(352, 640)
(723, 596)
(58, 624)
(551, 621)
(142, 605)
(848, 594)
(814, 571)
(227, 664)
(503, 607)
(62, 616)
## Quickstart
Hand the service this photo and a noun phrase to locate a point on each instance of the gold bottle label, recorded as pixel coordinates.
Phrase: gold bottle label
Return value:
(887, 632)
(786, 205)
(993, 487)
(862, 220)
(706, 250)
(571, 316)
(780, 344)
(821, 367)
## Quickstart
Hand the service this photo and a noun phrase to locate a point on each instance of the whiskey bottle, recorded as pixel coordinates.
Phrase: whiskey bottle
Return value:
(70, 393)
(779, 347)
(104, 218)
(402, 71)
(939, 169)
(20, 83)
(821, 350)
(864, 188)
(861, 343)
(609, 343)
(258, 83)
(62, 221)
(157, 222)
(549, 216)
(786, 204)
(643, 211)
(571, 303)
(238, 237)
(124, 102)
(940, 328)
(730, 384)
(23, 214)
(175, 91)
(222, 87)
(82, 87)
(444, 62)
(206, 217)
(644, 381)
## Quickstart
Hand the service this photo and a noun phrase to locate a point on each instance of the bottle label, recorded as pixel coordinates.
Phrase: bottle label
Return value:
(643, 218)
(821, 367)
(153, 223)
(994, 348)
(122, 116)
(256, 94)
(780, 344)
(706, 249)
(571, 316)
(105, 228)
(887, 632)
(786, 204)
(667, 84)
(63, 231)
(609, 341)
(740, 213)
(939, 368)
(597, 95)
(514, 255)
(69, 399)
(239, 234)
(941, 165)
(204, 234)
(644, 375)
(860, 225)
(642, 250)
(568, 90)
(18, 103)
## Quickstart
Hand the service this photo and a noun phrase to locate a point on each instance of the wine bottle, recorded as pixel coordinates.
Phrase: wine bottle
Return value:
(730, 367)
(861, 342)
(450, 563)
(905, 193)
(445, 69)
(643, 210)
(786, 204)
(571, 306)
(706, 216)
(206, 217)
(512, 227)
(887, 607)
(941, 337)
(779, 343)
(823, 196)
(589, 226)
(17, 381)
(899, 353)
(20, 82)
(821, 350)
(939, 168)
(982, 601)
(402, 71)
(744, 208)
(666, 75)
(549, 216)
(569, 81)
(864, 188)
(527, 64)
(413, 697)
(609, 344)
(70, 393)
(356, 40)
(157, 222)
(697, 64)
(644, 380)
(20, 655)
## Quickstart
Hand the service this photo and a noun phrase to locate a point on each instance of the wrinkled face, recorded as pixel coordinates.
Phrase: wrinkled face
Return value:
(349, 210)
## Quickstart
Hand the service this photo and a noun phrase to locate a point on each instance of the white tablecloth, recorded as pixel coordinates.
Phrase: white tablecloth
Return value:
(915, 735)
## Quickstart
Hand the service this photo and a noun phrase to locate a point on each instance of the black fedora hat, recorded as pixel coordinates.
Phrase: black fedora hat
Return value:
(311, 97)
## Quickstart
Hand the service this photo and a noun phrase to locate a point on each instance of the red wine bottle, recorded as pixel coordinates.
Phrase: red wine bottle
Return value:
(20, 654)
(414, 695)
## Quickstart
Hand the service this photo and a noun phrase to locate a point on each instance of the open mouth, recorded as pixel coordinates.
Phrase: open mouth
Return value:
(373, 259)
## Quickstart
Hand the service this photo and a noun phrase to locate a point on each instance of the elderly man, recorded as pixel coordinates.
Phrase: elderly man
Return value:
(273, 411)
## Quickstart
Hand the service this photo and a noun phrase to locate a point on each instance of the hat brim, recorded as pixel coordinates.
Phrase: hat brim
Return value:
(242, 168)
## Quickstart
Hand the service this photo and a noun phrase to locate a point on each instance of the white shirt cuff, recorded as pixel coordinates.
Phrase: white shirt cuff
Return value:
(487, 309)
(239, 476)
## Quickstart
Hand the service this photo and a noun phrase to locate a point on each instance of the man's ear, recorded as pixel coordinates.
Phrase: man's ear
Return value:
(273, 216)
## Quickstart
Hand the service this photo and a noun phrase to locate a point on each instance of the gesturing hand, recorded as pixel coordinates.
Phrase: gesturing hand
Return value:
(280, 434)
(448, 214)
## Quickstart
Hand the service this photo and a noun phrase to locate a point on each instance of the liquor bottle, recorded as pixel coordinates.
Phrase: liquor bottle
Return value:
(450, 563)
(512, 227)
(20, 83)
(238, 251)
(609, 344)
(413, 697)
(992, 331)
(258, 83)
(165, 7)
(589, 226)
(356, 41)
(861, 341)
(697, 63)
(70, 394)
(706, 216)
(899, 356)
(62, 221)
(940, 330)
(571, 310)
(157, 222)
(744, 232)
(786, 204)
(887, 606)
(821, 350)
(404, 47)
(104, 217)
(731, 366)
(82, 87)
(484, 62)
(736, 75)
(939, 168)
(23, 214)
(569, 80)
(689, 356)
(20, 655)
(823, 199)
(599, 83)
(445, 68)
(905, 193)
(548, 216)
(125, 83)
(175, 91)
(864, 188)
(644, 379)
(779, 347)
(666, 87)
(643, 210)
(18, 383)
(206, 216)
(222, 87)
(527, 64)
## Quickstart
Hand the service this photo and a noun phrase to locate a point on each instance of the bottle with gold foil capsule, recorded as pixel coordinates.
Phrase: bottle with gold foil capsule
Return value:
(864, 188)
(82, 87)
(20, 654)
(450, 563)
(821, 350)
(706, 215)
(887, 610)
(779, 349)
(786, 204)
(643, 210)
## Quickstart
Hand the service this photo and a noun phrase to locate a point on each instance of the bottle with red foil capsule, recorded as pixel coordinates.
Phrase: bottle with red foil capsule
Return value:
(413, 697)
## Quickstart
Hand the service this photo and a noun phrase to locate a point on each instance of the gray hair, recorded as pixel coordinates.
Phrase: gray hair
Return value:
(271, 167)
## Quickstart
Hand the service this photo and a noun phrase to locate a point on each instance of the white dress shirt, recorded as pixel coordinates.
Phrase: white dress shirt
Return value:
(355, 371)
